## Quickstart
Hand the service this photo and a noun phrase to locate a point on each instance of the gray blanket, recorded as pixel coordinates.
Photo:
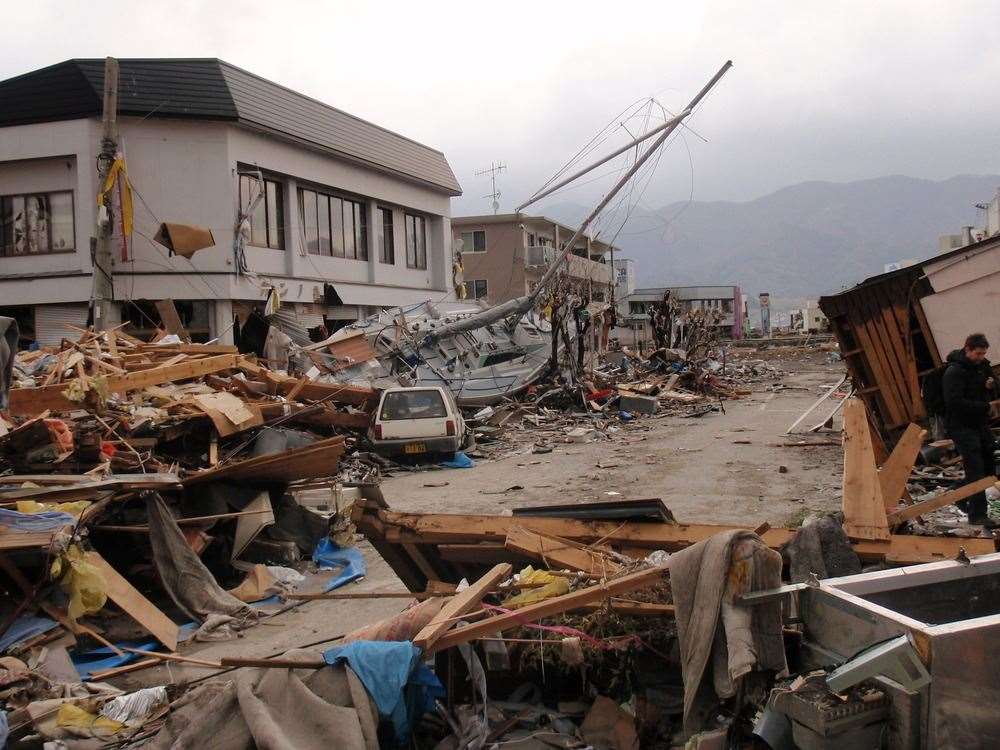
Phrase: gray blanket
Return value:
(705, 579)
(277, 709)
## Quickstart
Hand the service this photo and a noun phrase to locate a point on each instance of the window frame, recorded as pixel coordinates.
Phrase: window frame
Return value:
(472, 246)
(7, 251)
(471, 287)
(269, 206)
(386, 238)
(419, 255)
(336, 205)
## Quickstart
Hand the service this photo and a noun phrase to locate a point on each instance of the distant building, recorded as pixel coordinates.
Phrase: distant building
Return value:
(504, 256)
(971, 234)
(635, 329)
(624, 270)
(349, 217)
(810, 319)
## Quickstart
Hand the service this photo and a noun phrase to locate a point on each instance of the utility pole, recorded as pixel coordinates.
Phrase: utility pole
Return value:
(100, 245)
(493, 171)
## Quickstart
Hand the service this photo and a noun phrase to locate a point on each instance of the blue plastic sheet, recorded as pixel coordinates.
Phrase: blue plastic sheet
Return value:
(49, 520)
(459, 461)
(328, 555)
(100, 659)
(401, 686)
(23, 628)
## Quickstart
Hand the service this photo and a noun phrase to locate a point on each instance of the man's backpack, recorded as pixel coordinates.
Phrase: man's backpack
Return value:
(932, 391)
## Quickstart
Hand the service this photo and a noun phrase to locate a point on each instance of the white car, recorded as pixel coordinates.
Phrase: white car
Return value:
(415, 421)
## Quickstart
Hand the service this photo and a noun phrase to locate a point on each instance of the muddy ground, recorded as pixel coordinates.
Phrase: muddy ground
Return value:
(719, 468)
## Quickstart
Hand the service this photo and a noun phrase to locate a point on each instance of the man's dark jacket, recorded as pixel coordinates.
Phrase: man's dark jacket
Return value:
(966, 398)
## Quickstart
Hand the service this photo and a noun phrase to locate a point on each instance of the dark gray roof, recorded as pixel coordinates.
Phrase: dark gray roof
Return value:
(207, 88)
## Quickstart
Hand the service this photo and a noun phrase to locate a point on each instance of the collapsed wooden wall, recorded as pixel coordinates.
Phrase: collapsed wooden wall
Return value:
(887, 345)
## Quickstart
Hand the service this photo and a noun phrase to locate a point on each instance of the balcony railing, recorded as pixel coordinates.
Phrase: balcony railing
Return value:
(580, 268)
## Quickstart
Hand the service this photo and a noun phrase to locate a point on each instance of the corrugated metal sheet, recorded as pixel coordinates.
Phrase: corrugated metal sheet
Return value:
(206, 88)
(51, 322)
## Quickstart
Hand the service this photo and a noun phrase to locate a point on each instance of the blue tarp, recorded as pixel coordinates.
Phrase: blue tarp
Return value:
(49, 520)
(459, 461)
(402, 687)
(100, 659)
(23, 628)
(328, 555)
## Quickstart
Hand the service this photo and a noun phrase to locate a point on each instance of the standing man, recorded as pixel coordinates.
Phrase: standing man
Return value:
(968, 391)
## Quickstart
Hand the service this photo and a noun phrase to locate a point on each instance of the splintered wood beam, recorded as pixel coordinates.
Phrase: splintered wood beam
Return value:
(31, 401)
(549, 607)
(559, 553)
(906, 512)
(460, 604)
(137, 606)
(478, 538)
(896, 469)
(864, 509)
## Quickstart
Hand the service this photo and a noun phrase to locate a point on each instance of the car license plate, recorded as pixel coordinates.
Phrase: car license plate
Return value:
(415, 448)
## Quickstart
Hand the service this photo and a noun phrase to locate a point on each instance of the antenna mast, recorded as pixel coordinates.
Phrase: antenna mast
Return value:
(494, 169)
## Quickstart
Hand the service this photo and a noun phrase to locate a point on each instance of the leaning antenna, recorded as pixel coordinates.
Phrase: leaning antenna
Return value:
(494, 169)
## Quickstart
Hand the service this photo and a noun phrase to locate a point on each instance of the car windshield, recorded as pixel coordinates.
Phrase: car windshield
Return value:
(413, 405)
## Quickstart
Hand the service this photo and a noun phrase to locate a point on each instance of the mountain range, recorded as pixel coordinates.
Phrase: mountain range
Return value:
(800, 241)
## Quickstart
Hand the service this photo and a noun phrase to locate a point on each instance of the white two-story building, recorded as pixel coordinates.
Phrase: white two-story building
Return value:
(353, 216)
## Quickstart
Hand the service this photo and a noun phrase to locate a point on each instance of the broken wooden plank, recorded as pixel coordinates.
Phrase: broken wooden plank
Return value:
(549, 607)
(31, 401)
(812, 408)
(906, 512)
(460, 604)
(137, 606)
(560, 553)
(171, 319)
(320, 459)
(469, 535)
(896, 469)
(864, 509)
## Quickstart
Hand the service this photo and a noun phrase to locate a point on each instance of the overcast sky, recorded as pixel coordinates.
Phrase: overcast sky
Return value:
(819, 91)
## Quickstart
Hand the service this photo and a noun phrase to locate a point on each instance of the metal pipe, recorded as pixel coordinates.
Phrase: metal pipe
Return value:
(631, 144)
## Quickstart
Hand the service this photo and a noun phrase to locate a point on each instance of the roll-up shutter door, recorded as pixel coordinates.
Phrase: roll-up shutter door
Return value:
(51, 323)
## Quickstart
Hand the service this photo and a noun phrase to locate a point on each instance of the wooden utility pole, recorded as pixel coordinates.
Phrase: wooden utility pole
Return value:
(104, 288)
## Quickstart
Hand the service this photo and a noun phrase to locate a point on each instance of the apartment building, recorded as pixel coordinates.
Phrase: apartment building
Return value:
(727, 300)
(504, 255)
(351, 217)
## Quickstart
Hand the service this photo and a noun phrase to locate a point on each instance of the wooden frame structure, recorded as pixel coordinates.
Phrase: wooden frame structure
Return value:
(887, 345)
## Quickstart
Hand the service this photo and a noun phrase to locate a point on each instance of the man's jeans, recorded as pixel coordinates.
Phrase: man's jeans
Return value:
(976, 448)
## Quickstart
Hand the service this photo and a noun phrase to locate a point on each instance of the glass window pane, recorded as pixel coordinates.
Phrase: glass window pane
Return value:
(411, 248)
(310, 224)
(337, 226)
(258, 227)
(421, 243)
(361, 230)
(480, 242)
(324, 225)
(6, 226)
(61, 221)
(36, 211)
(20, 233)
(349, 236)
(386, 245)
(273, 214)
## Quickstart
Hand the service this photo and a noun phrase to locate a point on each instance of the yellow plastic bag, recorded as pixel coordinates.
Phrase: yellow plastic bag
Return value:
(71, 716)
(552, 586)
(74, 508)
(81, 581)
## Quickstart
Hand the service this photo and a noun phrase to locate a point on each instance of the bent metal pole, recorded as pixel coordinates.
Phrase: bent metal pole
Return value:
(516, 308)
(628, 176)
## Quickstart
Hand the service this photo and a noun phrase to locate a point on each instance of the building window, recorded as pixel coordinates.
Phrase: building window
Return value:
(476, 289)
(416, 241)
(36, 223)
(474, 242)
(386, 248)
(333, 226)
(267, 225)
(531, 240)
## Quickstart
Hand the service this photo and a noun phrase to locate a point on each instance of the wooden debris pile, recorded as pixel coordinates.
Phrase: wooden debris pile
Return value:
(247, 462)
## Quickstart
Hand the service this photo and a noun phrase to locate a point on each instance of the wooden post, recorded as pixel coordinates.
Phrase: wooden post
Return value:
(864, 508)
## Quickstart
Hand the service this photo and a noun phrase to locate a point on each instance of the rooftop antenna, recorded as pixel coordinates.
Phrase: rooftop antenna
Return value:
(494, 169)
